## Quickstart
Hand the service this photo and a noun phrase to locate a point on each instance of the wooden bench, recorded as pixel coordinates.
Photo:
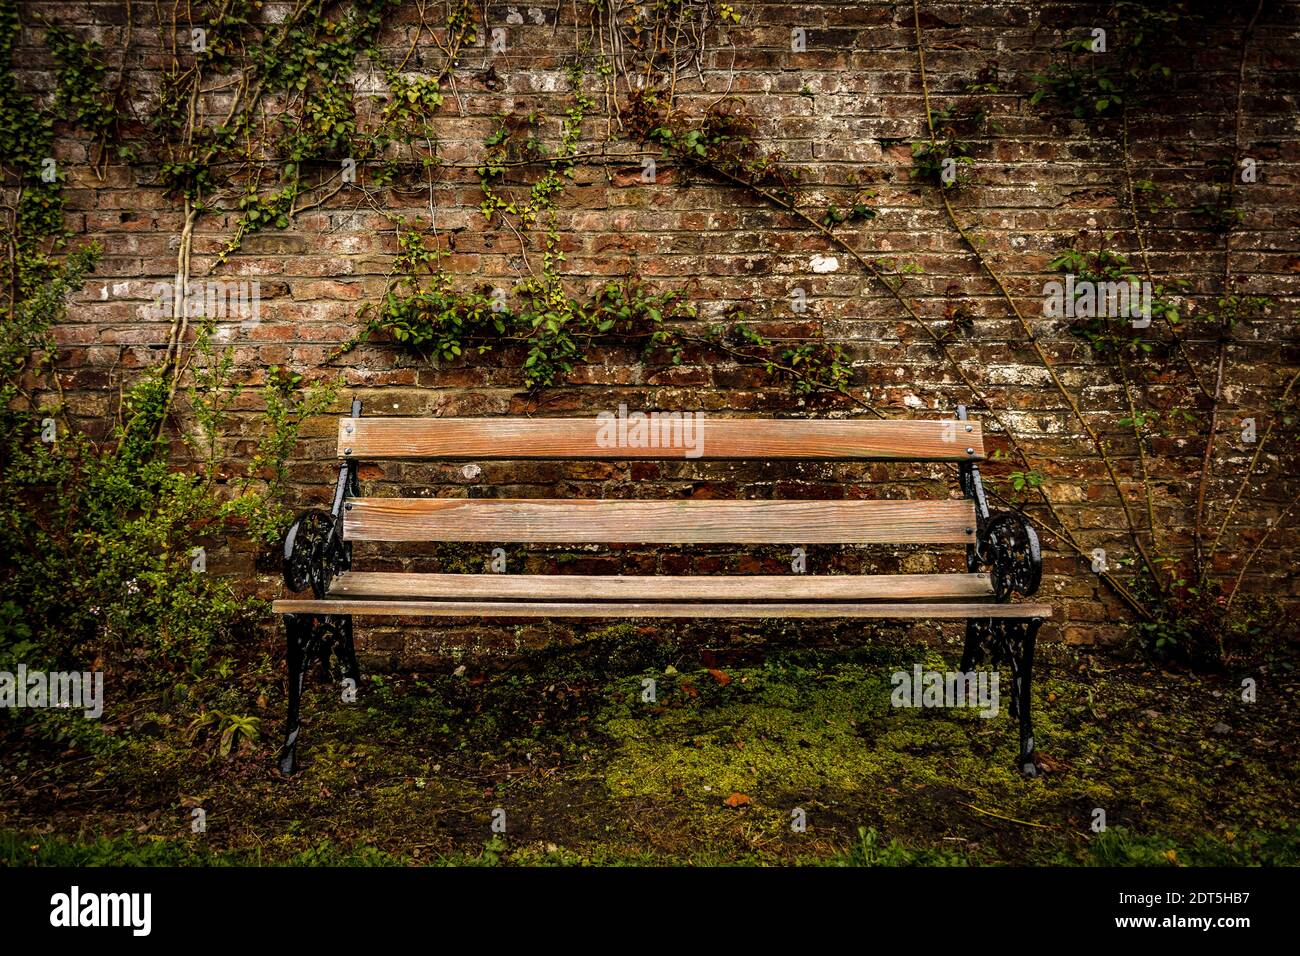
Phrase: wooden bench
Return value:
(1002, 553)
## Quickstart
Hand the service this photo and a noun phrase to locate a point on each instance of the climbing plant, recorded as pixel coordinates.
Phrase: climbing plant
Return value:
(110, 509)
(257, 119)
(1183, 605)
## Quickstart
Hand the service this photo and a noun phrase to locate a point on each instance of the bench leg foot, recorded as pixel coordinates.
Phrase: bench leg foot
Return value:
(297, 632)
(309, 638)
(1011, 642)
(1020, 655)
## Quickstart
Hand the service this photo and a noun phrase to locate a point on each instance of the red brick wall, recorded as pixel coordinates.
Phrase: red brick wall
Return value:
(844, 111)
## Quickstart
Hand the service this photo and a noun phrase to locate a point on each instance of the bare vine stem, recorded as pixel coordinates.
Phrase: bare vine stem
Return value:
(1070, 400)
(1254, 464)
(1058, 528)
(1250, 558)
(1225, 330)
(1139, 235)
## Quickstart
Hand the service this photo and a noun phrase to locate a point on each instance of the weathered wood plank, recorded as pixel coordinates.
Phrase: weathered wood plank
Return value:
(585, 587)
(710, 438)
(685, 609)
(659, 522)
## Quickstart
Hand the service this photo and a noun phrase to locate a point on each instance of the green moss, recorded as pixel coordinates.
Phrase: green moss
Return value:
(766, 729)
(589, 773)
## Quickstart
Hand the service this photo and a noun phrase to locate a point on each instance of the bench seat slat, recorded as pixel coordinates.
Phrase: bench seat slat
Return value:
(718, 438)
(687, 609)
(660, 588)
(544, 520)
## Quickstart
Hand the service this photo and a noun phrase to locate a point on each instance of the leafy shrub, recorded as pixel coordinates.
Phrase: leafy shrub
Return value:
(100, 565)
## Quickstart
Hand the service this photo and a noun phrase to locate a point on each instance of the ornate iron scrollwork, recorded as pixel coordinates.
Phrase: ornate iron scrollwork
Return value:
(314, 555)
(1008, 546)
(315, 552)
(1005, 546)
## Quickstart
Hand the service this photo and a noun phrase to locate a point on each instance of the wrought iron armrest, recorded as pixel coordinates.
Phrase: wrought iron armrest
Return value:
(315, 552)
(1008, 548)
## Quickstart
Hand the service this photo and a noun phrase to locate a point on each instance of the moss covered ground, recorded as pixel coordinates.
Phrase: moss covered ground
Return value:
(717, 769)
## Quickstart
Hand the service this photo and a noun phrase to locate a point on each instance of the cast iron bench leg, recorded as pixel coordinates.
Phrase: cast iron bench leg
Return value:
(297, 633)
(1011, 642)
(1022, 669)
(310, 638)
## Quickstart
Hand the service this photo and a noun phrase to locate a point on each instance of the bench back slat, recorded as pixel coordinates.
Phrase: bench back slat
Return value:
(542, 520)
(714, 438)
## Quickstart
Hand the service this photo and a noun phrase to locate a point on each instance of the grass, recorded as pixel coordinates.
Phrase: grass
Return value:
(718, 768)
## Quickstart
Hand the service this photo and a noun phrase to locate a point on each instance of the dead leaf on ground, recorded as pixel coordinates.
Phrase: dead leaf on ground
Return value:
(1050, 764)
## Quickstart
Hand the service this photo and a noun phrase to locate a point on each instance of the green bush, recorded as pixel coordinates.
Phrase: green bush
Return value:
(100, 561)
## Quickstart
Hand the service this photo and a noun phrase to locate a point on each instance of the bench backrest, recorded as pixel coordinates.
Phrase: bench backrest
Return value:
(716, 438)
(659, 521)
